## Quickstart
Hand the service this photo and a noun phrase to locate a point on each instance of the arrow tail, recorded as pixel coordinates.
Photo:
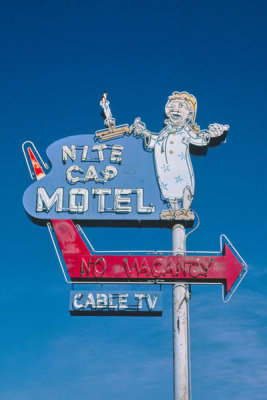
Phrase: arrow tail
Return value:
(70, 243)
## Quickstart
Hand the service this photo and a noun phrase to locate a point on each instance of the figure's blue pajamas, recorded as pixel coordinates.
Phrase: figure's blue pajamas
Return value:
(173, 165)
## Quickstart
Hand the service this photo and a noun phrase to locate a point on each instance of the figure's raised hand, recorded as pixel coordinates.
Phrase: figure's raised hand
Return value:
(216, 130)
(138, 128)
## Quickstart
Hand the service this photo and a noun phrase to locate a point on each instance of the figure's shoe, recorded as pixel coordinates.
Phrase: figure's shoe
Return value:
(187, 215)
(177, 215)
(167, 214)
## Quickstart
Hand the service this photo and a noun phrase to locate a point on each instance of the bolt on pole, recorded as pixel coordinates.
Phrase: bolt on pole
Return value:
(180, 299)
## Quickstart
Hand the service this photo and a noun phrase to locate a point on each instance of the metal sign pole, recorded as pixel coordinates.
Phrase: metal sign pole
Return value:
(180, 299)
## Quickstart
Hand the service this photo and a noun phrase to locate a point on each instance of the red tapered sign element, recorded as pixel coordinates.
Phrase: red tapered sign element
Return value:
(84, 266)
(39, 172)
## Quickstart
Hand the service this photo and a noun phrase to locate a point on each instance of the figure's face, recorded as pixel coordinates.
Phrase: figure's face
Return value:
(178, 112)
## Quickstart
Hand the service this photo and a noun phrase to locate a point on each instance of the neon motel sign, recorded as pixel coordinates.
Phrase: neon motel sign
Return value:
(125, 175)
(128, 176)
(89, 181)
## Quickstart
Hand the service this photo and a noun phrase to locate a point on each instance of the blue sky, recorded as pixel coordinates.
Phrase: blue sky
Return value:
(56, 60)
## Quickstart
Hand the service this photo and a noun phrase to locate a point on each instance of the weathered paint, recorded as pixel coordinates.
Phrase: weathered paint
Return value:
(180, 312)
(84, 266)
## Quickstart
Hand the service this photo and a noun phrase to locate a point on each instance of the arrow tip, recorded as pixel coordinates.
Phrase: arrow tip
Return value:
(234, 269)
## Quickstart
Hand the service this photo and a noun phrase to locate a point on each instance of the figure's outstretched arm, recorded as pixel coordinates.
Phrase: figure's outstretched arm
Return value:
(216, 130)
(138, 128)
(198, 138)
(202, 138)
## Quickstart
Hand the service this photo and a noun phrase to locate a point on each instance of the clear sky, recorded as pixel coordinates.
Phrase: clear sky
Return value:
(56, 59)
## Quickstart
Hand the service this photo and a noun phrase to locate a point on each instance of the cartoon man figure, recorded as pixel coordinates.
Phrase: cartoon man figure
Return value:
(173, 165)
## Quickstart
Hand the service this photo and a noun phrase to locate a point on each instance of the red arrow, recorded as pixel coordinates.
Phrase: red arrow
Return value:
(84, 266)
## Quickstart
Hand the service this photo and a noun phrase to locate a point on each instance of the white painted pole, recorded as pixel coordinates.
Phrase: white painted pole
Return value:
(180, 299)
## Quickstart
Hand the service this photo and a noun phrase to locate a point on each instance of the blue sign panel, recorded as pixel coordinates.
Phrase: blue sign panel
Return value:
(115, 303)
(97, 181)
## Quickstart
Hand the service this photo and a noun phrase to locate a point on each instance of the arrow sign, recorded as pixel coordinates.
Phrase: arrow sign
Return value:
(82, 265)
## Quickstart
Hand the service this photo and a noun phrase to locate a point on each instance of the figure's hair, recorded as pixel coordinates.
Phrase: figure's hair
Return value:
(189, 98)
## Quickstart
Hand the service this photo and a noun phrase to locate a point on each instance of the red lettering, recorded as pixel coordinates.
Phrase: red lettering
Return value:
(179, 268)
(170, 268)
(100, 267)
(206, 268)
(85, 268)
(134, 266)
(159, 262)
(197, 269)
(144, 267)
